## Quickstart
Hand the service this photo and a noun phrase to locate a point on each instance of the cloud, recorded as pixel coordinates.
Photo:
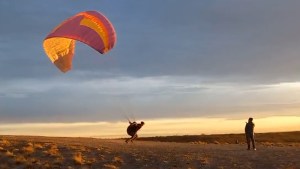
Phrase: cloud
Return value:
(230, 40)
(59, 99)
(233, 41)
(172, 59)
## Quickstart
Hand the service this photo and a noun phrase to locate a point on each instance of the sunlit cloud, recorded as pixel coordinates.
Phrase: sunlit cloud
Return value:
(158, 127)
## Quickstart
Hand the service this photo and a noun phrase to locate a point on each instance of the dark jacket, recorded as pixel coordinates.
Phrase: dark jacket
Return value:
(133, 128)
(249, 128)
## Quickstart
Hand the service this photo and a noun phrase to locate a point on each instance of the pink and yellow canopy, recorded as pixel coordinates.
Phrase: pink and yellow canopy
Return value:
(89, 27)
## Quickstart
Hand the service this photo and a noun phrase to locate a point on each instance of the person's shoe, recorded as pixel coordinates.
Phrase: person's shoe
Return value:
(254, 149)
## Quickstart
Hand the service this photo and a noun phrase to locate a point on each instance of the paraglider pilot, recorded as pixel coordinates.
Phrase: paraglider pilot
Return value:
(132, 130)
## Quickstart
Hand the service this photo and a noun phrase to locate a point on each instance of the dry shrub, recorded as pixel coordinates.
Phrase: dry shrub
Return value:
(216, 142)
(279, 144)
(118, 160)
(290, 167)
(28, 165)
(199, 142)
(109, 166)
(34, 160)
(78, 158)
(16, 150)
(294, 144)
(89, 162)
(58, 161)
(9, 154)
(29, 144)
(53, 146)
(101, 157)
(187, 156)
(2, 149)
(267, 144)
(20, 159)
(107, 151)
(46, 165)
(53, 151)
(38, 146)
(100, 148)
(93, 160)
(204, 160)
(82, 148)
(73, 147)
(4, 166)
(4, 142)
(28, 149)
(78, 147)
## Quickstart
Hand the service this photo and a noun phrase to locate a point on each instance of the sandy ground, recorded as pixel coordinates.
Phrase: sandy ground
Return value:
(51, 152)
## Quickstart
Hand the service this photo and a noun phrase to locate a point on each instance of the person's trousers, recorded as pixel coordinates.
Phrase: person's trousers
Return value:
(250, 139)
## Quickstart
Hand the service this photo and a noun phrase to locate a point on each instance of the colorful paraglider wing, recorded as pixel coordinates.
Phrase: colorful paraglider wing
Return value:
(89, 27)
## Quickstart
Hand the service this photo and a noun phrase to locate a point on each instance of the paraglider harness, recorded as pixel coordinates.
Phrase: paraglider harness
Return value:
(133, 128)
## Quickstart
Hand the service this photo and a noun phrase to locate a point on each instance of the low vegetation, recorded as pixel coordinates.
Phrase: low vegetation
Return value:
(274, 138)
(280, 150)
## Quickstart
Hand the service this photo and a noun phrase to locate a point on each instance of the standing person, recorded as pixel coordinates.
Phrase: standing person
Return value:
(132, 130)
(249, 131)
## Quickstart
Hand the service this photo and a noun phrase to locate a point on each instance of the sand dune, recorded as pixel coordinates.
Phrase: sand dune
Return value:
(53, 152)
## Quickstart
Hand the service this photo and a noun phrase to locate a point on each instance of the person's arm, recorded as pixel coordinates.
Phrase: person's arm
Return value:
(132, 123)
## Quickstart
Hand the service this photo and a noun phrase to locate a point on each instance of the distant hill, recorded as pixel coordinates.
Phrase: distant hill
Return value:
(275, 137)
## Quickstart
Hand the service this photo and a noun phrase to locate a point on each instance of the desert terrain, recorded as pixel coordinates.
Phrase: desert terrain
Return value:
(228, 151)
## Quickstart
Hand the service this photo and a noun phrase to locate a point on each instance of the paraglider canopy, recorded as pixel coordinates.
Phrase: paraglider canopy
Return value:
(89, 27)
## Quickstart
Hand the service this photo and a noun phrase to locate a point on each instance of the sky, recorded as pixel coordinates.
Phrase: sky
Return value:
(173, 60)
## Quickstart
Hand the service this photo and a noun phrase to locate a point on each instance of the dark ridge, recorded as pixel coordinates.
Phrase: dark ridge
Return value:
(275, 137)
